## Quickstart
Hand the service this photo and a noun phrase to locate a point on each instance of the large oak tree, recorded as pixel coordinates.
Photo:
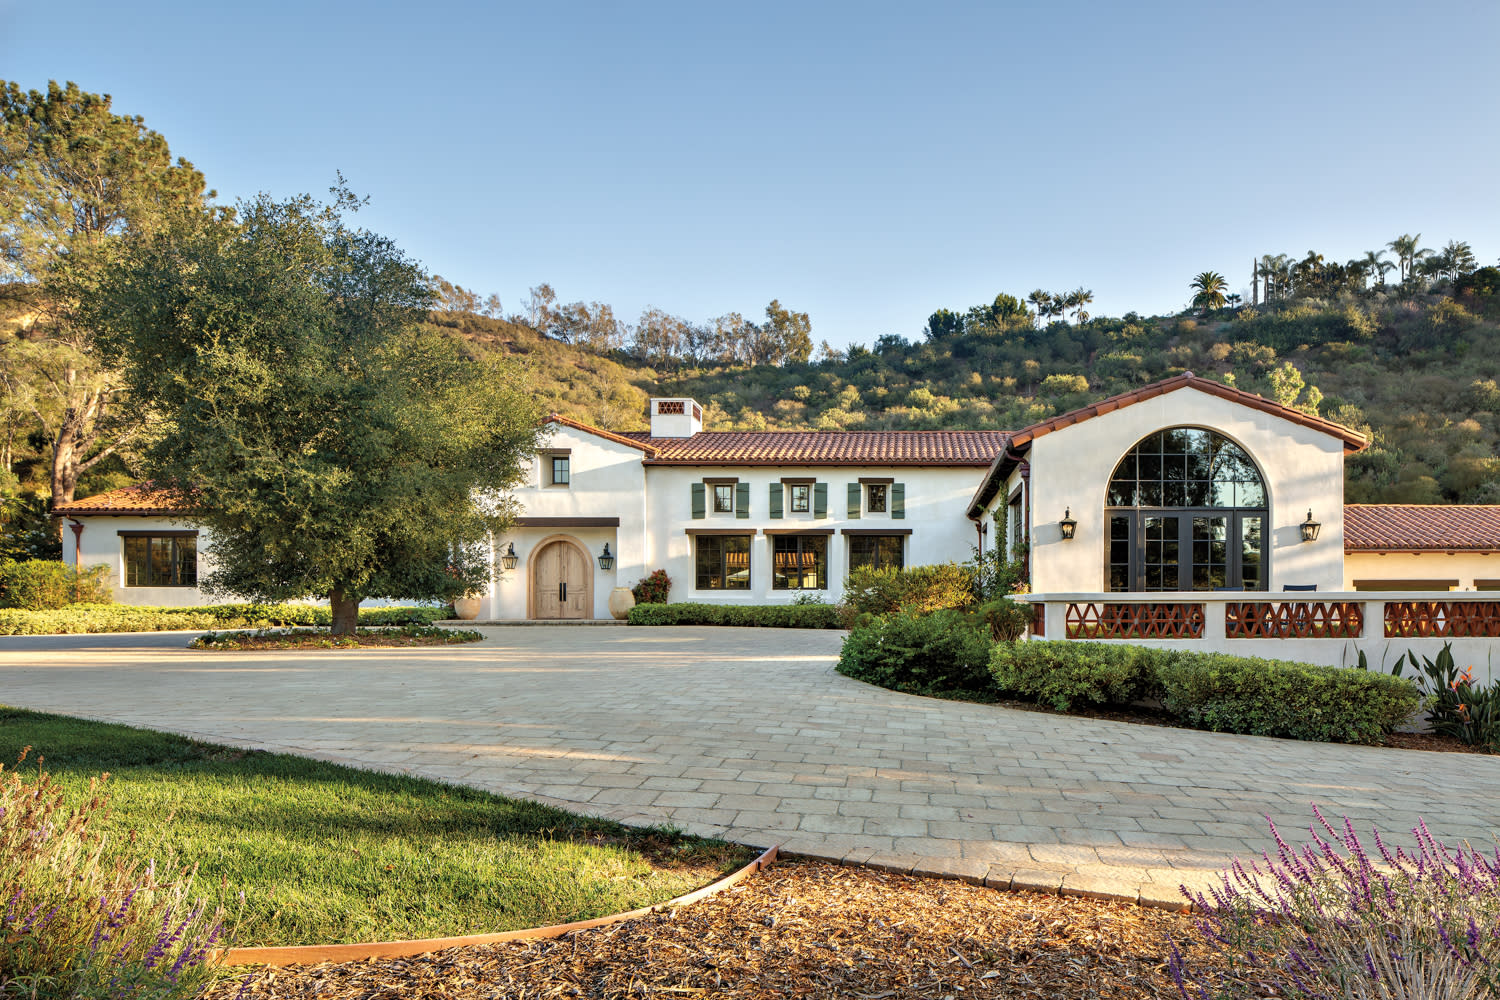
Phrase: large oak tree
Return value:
(330, 444)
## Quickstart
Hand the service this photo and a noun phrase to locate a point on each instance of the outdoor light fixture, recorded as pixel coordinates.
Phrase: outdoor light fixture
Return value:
(606, 561)
(1310, 528)
(1067, 524)
(510, 558)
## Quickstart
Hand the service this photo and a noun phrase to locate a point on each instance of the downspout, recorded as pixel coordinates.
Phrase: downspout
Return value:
(77, 529)
(1025, 469)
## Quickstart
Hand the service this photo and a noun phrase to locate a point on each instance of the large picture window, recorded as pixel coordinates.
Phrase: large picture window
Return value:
(165, 560)
(799, 562)
(722, 562)
(1186, 510)
(877, 551)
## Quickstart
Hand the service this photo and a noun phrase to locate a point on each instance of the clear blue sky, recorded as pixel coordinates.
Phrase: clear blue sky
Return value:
(865, 162)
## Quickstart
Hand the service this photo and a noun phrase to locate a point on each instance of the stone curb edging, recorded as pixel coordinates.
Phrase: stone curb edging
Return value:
(314, 953)
(1003, 878)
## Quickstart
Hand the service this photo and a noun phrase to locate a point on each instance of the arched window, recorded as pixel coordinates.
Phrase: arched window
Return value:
(1186, 509)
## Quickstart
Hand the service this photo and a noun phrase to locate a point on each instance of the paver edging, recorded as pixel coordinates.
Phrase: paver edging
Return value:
(314, 953)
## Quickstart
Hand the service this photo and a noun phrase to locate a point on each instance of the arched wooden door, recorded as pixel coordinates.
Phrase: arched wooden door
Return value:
(560, 581)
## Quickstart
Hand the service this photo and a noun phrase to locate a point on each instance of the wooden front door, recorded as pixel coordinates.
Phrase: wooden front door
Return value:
(562, 589)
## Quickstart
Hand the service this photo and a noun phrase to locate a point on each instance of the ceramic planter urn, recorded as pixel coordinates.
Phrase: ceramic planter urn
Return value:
(621, 600)
(467, 608)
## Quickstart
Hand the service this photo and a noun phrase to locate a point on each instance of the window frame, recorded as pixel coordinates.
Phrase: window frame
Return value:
(550, 457)
(867, 487)
(802, 540)
(713, 486)
(855, 541)
(723, 573)
(148, 538)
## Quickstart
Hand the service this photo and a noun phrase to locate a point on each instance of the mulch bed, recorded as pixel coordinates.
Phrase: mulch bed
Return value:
(799, 929)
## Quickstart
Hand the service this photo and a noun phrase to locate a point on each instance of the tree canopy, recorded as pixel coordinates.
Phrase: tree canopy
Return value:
(331, 444)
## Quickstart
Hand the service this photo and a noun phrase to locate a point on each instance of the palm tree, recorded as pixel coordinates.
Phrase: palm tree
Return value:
(1276, 272)
(1040, 301)
(1233, 300)
(1076, 300)
(1210, 287)
(1407, 253)
(1374, 262)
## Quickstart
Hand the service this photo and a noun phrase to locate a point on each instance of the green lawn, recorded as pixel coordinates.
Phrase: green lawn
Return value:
(330, 854)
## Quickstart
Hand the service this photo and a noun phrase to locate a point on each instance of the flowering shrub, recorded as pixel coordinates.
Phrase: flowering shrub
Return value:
(127, 618)
(74, 923)
(653, 589)
(1331, 921)
(1456, 705)
(406, 635)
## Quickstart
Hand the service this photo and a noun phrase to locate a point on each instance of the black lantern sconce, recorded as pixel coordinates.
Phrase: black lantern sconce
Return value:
(606, 561)
(1067, 525)
(510, 559)
(1310, 528)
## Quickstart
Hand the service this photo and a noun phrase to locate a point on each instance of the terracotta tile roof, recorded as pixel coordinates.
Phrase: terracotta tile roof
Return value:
(1353, 440)
(633, 441)
(142, 500)
(933, 448)
(1420, 528)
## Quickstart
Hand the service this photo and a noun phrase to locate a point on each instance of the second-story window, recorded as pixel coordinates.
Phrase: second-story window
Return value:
(561, 474)
(875, 497)
(801, 497)
(723, 498)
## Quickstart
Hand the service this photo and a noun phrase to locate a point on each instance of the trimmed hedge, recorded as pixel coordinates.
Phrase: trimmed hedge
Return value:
(80, 618)
(761, 615)
(44, 584)
(1061, 673)
(1240, 694)
(938, 653)
(872, 591)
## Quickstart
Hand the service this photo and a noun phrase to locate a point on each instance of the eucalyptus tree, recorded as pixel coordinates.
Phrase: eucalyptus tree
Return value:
(1208, 290)
(75, 177)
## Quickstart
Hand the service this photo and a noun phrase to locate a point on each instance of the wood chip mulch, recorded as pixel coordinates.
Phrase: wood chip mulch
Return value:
(799, 929)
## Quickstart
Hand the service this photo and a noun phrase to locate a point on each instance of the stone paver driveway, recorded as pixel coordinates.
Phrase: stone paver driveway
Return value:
(749, 734)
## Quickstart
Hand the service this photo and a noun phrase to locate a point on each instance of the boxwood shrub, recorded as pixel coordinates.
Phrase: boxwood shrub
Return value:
(78, 618)
(1061, 673)
(1303, 701)
(764, 615)
(44, 584)
(939, 653)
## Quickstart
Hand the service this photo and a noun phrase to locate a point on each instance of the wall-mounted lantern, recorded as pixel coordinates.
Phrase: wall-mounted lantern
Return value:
(606, 561)
(510, 559)
(1310, 528)
(1067, 525)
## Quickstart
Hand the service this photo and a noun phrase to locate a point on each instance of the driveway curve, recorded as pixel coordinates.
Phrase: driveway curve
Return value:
(749, 734)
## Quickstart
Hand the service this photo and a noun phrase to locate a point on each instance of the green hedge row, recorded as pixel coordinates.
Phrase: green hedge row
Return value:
(763, 615)
(1215, 691)
(76, 618)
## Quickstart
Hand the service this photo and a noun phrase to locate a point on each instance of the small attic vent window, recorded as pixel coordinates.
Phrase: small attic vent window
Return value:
(697, 413)
(671, 406)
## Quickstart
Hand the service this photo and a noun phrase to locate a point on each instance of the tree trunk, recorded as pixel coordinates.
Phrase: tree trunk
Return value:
(345, 612)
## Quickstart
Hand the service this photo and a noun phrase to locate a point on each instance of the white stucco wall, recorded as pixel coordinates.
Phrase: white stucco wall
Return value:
(1070, 468)
(607, 480)
(1464, 567)
(102, 543)
(936, 501)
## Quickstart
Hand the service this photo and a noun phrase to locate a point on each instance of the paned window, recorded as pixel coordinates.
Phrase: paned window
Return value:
(877, 551)
(723, 498)
(799, 562)
(801, 497)
(561, 474)
(722, 562)
(876, 497)
(161, 561)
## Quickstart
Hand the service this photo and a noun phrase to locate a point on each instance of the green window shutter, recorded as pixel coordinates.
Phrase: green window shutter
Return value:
(898, 500)
(700, 500)
(854, 500)
(742, 500)
(775, 499)
(820, 499)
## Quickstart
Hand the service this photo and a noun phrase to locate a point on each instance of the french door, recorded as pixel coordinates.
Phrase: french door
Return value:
(1177, 549)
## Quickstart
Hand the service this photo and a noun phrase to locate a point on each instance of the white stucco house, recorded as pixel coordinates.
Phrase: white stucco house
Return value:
(1154, 515)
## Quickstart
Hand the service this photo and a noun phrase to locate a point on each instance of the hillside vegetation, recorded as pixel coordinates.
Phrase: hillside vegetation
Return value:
(1414, 368)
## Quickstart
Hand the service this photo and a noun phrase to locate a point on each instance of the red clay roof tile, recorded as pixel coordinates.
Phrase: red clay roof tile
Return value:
(898, 448)
(1420, 528)
(142, 500)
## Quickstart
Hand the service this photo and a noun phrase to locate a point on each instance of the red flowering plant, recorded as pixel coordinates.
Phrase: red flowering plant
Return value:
(653, 589)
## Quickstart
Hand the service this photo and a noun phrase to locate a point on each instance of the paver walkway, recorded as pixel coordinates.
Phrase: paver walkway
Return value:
(749, 734)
